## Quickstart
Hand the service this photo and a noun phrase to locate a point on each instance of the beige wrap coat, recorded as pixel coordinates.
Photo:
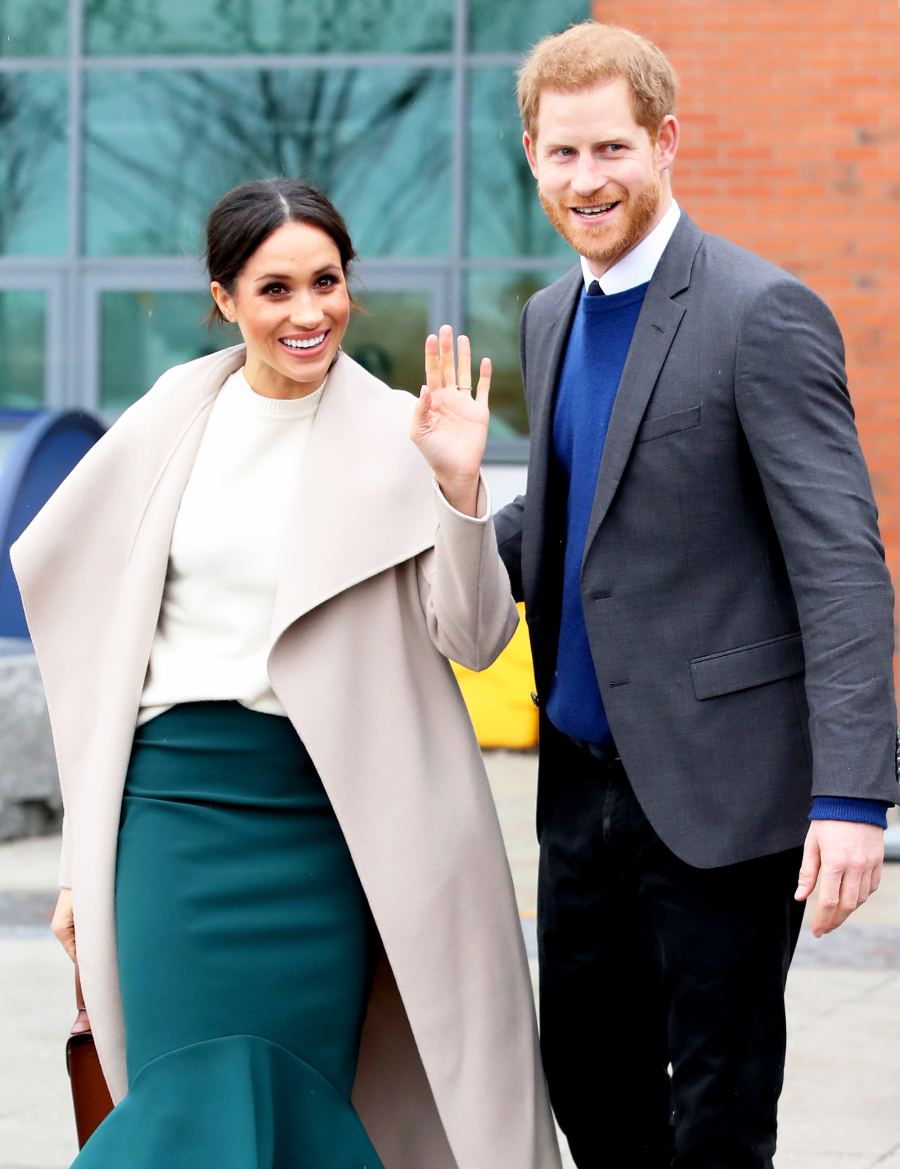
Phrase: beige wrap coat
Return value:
(379, 580)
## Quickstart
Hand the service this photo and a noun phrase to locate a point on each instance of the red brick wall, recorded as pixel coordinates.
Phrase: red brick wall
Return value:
(790, 116)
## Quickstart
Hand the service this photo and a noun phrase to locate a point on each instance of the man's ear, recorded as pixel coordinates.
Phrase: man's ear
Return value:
(530, 152)
(667, 139)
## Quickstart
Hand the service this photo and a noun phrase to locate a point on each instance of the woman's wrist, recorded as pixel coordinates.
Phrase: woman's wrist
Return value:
(460, 493)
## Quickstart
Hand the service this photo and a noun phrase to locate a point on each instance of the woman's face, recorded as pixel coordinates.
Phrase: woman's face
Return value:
(291, 304)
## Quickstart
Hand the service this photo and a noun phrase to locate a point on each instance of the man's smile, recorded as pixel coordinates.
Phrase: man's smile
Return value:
(594, 212)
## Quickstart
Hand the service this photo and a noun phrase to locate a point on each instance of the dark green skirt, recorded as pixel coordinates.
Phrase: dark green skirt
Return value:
(245, 954)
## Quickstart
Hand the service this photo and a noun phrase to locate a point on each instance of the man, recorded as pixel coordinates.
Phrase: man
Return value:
(710, 617)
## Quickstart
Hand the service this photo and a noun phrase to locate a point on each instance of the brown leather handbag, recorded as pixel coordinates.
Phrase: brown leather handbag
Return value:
(90, 1094)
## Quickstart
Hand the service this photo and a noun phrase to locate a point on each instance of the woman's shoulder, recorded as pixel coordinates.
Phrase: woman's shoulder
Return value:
(201, 376)
(139, 441)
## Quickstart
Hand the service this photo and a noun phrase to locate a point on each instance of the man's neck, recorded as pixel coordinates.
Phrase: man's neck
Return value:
(639, 263)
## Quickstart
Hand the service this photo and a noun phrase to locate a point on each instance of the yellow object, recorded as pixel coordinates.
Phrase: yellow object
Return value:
(499, 698)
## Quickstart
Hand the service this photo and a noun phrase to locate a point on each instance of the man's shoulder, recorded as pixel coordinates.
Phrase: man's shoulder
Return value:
(547, 300)
(721, 268)
(727, 264)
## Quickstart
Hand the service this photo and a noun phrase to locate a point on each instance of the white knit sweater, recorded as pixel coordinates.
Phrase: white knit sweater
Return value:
(214, 631)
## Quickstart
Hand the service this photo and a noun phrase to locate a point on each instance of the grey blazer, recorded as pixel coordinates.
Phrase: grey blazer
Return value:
(737, 602)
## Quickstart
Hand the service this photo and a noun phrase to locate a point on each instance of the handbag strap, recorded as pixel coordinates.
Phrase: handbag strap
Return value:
(82, 1024)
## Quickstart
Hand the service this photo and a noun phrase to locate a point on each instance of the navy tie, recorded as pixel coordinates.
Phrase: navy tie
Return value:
(594, 288)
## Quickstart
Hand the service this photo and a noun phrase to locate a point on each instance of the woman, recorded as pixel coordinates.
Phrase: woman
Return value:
(282, 868)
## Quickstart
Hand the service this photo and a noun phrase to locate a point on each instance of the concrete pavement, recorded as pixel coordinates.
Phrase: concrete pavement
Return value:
(840, 1105)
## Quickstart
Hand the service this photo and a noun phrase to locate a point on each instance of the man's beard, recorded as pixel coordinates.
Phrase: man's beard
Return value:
(605, 245)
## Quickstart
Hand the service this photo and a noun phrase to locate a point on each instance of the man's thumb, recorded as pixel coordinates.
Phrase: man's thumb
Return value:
(809, 869)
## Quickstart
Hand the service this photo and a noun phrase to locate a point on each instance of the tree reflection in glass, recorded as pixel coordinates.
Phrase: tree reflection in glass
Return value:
(275, 26)
(162, 146)
(33, 155)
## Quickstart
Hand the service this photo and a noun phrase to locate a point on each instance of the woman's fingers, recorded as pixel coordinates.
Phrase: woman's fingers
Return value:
(484, 381)
(432, 362)
(464, 362)
(448, 366)
(446, 370)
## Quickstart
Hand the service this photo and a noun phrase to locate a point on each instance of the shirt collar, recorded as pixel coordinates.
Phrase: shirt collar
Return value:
(639, 264)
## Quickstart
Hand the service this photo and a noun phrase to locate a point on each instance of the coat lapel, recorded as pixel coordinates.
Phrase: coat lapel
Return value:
(656, 328)
(354, 513)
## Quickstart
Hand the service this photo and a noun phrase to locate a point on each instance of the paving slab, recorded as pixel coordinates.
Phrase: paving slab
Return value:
(843, 1067)
(37, 1130)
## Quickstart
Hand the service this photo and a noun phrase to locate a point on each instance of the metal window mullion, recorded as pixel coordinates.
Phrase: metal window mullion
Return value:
(460, 162)
(208, 61)
(34, 265)
(129, 274)
(32, 64)
(75, 391)
(198, 61)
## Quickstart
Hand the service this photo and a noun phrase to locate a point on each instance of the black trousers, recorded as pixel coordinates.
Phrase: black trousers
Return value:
(647, 963)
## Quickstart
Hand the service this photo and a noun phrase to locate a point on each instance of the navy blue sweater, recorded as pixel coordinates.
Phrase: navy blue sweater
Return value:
(595, 357)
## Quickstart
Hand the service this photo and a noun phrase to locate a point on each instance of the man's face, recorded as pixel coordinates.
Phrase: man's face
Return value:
(603, 181)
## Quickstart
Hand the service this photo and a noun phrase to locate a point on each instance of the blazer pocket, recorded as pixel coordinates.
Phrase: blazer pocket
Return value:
(747, 665)
(664, 424)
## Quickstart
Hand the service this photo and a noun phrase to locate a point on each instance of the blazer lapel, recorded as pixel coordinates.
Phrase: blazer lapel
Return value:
(357, 509)
(656, 328)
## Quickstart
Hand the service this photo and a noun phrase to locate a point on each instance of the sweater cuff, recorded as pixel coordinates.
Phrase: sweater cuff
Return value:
(856, 811)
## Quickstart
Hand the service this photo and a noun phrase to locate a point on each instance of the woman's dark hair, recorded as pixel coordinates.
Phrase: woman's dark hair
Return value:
(247, 216)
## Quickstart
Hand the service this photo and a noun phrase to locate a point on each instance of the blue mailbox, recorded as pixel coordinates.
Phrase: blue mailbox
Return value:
(37, 451)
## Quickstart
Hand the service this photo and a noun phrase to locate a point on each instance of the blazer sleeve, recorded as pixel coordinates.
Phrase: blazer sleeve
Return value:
(508, 529)
(795, 412)
(464, 587)
(508, 521)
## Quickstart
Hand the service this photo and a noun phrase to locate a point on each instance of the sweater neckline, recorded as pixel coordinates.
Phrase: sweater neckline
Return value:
(614, 300)
(243, 393)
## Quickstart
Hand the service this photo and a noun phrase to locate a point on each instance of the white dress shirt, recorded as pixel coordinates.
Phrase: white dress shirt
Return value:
(640, 263)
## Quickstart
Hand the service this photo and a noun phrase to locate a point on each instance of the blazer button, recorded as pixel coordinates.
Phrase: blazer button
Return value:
(535, 699)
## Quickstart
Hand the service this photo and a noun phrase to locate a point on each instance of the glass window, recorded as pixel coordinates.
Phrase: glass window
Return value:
(34, 28)
(494, 302)
(276, 26)
(388, 338)
(33, 163)
(161, 147)
(143, 333)
(510, 27)
(23, 331)
(505, 217)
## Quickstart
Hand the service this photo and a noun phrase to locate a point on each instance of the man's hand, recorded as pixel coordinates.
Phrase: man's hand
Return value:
(846, 860)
